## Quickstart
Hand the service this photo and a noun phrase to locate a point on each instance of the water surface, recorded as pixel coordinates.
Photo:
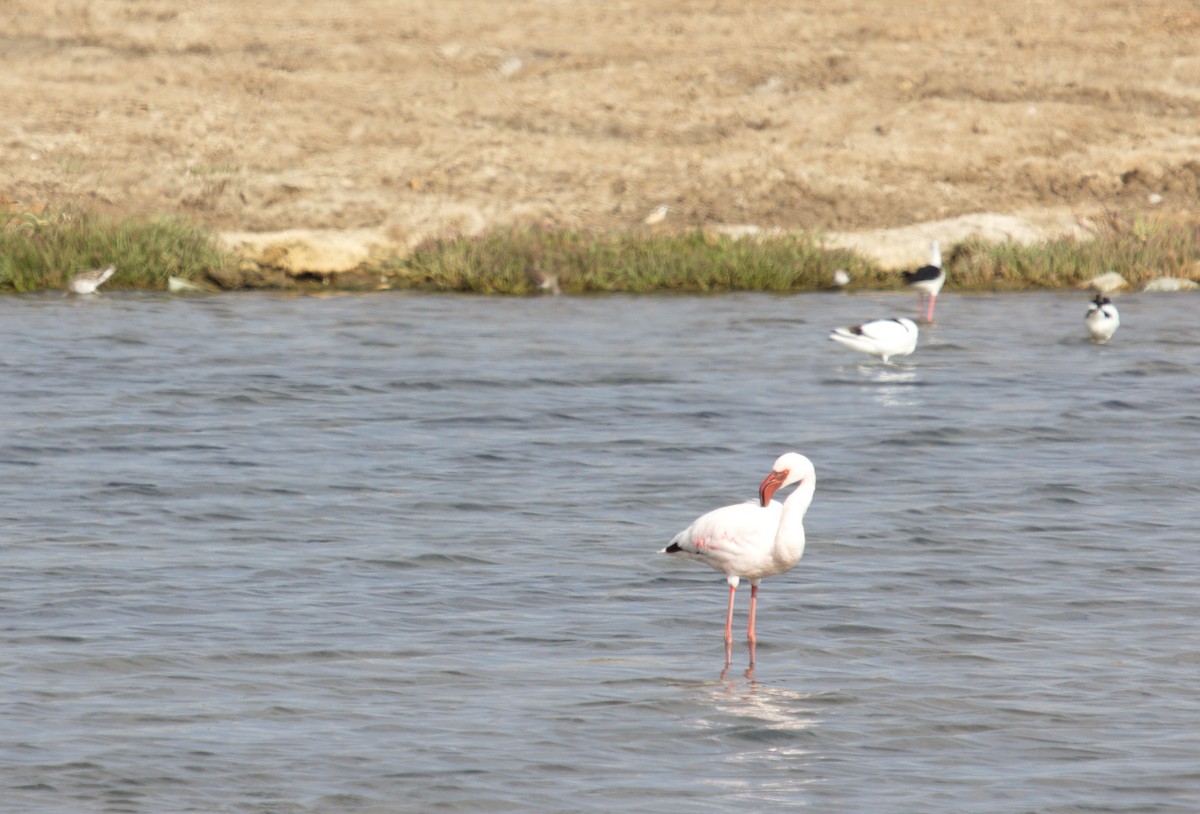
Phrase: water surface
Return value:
(398, 553)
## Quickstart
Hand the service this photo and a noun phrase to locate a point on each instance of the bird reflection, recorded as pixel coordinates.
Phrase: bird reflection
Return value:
(749, 672)
(768, 709)
(893, 386)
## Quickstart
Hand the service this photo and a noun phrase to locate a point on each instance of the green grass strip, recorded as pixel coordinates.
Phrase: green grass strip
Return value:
(1138, 248)
(509, 262)
(42, 251)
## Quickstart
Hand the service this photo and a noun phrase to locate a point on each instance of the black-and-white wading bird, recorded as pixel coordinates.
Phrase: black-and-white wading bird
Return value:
(884, 338)
(928, 280)
(1102, 319)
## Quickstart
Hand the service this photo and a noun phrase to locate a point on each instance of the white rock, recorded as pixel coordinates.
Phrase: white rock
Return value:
(907, 247)
(305, 251)
(1171, 284)
(509, 67)
(657, 215)
(739, 231)
(1106, 282)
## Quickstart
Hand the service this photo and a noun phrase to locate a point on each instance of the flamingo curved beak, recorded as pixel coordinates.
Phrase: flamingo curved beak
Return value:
(770, 483)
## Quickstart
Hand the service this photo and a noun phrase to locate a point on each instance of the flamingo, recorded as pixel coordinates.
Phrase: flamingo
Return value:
(753, 540)
(86, 282)
(884, 338)
(1102, 319)
(928, 280)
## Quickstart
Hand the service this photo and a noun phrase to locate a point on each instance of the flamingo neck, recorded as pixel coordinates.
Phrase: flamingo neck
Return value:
(789, 537)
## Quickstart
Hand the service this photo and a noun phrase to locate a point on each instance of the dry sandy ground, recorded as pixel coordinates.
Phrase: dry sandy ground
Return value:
(419, 118)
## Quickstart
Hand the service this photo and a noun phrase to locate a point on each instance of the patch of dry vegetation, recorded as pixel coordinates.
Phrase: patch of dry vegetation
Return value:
(41, 250)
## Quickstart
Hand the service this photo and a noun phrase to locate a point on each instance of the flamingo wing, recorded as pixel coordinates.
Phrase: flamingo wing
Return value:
(730, 539)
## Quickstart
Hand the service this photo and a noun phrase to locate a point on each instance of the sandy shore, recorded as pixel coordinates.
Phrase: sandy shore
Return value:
(420, 119)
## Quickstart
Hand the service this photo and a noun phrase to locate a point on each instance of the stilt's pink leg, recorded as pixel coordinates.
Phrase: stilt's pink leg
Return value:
(929, 316)
(729, 617)
(753, 607)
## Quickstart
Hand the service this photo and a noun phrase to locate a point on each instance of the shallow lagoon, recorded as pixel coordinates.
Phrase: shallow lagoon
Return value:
(398, 552)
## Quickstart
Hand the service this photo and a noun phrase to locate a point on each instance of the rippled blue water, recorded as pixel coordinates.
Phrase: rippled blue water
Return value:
(398, 553)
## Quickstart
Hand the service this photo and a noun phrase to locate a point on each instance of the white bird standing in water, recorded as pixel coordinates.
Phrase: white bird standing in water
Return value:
(928, 280)
(86, 282)
(884, 338)
(754, 540)
(1102, 319)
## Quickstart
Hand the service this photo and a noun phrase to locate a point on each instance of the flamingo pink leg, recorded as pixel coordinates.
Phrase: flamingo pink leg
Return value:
(753, 606)
(729, 616)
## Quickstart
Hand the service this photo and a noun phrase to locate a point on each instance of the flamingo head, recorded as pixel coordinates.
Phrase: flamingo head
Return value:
(789, 468)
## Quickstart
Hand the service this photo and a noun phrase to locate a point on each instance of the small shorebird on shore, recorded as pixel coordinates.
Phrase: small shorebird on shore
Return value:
(884, 338)
(928, 280)
(1102, 319)
(545, 282)
(86, 282)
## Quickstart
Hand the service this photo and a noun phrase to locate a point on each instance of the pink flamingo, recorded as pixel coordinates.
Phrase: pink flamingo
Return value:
(753, 540)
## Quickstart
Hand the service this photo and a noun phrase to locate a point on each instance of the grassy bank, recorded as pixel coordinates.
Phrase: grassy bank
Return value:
(1137, 247)
(41, 251)
(512, 262)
